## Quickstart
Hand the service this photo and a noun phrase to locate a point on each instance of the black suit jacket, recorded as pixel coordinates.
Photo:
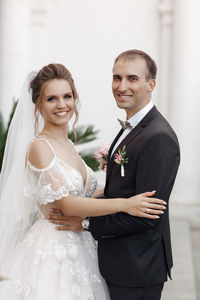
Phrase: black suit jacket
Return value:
(136, 251)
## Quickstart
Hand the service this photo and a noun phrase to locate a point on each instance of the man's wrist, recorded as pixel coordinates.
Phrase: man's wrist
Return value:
(86, 224)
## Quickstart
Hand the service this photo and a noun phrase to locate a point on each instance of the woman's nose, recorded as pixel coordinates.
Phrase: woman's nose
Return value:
(61, 103)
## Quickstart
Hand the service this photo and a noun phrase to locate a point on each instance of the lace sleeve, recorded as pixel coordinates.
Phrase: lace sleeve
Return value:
(48, 184)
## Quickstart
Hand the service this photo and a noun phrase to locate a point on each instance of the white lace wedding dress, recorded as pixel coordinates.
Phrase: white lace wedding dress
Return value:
(50, 264)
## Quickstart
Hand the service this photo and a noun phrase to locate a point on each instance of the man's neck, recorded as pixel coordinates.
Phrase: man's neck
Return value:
(130, 114)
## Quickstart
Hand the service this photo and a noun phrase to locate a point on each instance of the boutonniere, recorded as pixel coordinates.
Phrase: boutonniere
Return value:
(121, 159)
(102, 156)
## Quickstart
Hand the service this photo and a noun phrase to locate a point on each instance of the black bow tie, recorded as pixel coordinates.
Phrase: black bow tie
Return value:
(125, 124)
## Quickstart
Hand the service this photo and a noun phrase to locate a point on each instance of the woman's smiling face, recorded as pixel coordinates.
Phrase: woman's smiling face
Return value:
(57, 103)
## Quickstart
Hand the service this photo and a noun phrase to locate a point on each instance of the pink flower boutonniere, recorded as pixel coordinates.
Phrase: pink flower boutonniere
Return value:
(102, 156)
(121, 159)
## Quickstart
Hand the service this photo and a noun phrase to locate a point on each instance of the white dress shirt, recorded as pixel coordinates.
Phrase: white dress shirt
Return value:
(134, 121)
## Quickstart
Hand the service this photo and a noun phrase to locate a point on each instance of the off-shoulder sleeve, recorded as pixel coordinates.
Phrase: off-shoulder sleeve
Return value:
(48, 184)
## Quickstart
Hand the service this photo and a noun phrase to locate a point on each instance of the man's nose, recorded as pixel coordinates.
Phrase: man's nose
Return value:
(122, 85)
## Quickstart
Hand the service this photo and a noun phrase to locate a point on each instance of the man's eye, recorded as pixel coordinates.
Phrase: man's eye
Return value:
(132, 78)
(116, 78)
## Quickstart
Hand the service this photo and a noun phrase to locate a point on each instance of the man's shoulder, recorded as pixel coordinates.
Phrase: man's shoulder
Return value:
(158, 127)
(159, 124)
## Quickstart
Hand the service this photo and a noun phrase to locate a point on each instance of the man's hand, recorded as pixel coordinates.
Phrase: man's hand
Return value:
(66, 223)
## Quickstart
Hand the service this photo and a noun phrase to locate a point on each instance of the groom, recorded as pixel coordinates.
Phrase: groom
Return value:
(135, 253)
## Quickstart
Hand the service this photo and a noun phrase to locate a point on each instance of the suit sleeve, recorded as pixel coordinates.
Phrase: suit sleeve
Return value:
(156, 170)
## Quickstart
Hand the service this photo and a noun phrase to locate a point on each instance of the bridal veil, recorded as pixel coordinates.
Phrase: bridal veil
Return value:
(16, 211)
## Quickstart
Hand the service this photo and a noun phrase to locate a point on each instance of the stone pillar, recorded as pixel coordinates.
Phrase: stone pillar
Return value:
(38, 32)
(185, 101)
(165, 50)
(23, 46)
(14, 51)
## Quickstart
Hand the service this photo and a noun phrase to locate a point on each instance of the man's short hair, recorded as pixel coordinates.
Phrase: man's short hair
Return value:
(132, 54)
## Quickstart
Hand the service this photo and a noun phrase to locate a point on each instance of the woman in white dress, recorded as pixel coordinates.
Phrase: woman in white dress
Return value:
(42, 171)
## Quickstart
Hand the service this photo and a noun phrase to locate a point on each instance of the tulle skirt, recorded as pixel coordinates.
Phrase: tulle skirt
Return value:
(54, 265)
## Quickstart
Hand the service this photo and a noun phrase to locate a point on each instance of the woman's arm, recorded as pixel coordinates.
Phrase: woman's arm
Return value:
(135, 206)
(41, 156)
(98, 193)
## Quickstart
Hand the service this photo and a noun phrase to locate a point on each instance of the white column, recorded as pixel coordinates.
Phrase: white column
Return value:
(164, 70)
(38, 31)
(14, 50)
(185, 101)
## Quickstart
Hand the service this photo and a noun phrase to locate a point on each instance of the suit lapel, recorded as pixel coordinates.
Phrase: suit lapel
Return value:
(139, 128)
(110, 151)
(129, 138)
(114, 142)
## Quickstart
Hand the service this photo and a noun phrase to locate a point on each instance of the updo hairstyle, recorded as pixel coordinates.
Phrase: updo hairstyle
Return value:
(49, 72)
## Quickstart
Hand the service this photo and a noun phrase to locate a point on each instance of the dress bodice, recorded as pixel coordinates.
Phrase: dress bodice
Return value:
(57, 180)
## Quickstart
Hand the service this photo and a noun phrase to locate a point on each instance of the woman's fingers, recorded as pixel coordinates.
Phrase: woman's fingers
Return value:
(148, 216)
(156, 200)
(148, 194)
(152, 211)
(147, 207)
(155, 206)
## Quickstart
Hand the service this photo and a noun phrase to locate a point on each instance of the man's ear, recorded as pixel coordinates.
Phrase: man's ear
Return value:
(152, 84)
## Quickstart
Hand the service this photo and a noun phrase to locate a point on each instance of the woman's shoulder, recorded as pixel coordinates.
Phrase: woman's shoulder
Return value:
(40, 153)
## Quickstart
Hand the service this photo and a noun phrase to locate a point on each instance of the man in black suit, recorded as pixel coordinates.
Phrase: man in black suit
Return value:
(135, 253)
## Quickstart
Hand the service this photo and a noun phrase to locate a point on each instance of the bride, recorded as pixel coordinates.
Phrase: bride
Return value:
(41, 171)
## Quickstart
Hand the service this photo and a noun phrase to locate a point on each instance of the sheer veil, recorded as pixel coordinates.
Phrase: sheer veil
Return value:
(16, 211)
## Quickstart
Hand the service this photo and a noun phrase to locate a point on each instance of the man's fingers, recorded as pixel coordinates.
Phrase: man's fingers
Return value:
(57, 217)
(60, 222)
(64, 228)
(56, 211)
(69, 228)
(65, 218)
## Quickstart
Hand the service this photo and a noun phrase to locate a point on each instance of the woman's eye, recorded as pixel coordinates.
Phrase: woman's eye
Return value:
(68, 96)
(51, 99)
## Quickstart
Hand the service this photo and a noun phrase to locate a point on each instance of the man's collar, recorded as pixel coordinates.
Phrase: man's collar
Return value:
(134, 120)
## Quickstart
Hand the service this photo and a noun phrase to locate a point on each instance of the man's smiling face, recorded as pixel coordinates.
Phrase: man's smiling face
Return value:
(131, 86)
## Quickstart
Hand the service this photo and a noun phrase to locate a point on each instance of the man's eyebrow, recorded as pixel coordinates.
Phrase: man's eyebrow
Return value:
(132, 75)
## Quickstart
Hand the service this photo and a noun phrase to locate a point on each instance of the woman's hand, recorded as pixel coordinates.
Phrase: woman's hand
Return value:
(143, 206)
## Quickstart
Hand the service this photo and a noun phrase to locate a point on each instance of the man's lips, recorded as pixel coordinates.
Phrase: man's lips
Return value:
(124, 96)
